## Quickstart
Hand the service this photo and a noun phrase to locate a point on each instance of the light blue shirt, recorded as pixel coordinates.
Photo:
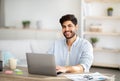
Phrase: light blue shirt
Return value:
(81, 52)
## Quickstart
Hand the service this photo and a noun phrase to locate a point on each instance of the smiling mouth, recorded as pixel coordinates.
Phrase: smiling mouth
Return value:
(67, 33)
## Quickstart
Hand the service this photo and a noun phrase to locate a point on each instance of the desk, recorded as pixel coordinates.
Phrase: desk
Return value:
(30, 77)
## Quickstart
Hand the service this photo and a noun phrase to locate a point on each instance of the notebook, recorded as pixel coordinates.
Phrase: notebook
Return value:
(43, 64)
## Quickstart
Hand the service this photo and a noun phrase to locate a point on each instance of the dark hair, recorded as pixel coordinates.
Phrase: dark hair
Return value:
(68, 17)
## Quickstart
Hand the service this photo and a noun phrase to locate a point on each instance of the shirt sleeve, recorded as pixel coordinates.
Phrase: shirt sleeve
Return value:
(87, 56)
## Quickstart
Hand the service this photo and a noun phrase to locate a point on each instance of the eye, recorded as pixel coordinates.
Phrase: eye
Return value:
(70, 25)
(63, 26)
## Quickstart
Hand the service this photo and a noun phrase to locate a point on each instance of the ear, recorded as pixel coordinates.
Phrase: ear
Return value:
(76, 27)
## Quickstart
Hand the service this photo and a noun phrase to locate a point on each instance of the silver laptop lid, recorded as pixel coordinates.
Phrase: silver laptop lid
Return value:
(43, 64)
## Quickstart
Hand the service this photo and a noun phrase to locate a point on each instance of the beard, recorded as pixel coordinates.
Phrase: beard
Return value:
(67, 36)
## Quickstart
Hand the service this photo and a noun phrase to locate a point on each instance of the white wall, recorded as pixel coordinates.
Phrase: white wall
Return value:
(19, 48)
(46, 11)
(98, 9)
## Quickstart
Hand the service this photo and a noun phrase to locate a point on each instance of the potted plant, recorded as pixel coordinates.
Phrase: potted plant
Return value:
(94, 40)
(26, 24)
(110, 11)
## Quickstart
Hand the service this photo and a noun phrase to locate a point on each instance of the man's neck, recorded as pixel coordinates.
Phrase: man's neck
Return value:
(71, 41)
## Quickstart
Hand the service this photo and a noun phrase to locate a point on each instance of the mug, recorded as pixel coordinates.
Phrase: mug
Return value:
(12, 63)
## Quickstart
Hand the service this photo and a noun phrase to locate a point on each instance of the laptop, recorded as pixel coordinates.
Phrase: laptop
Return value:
(43, 64)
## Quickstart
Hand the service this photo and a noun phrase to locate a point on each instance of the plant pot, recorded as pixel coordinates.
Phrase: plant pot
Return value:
(110, 12)
(26, 26)
(94, 45)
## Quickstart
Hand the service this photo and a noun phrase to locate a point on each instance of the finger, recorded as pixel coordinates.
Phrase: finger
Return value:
(57, 67)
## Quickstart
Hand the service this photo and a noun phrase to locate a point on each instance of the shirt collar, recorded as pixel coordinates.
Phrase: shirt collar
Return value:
(75, 42)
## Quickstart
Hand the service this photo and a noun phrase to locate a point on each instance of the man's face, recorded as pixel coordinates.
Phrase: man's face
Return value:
(69, 29)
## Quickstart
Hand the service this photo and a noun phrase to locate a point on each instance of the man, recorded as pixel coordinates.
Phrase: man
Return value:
(72, 54)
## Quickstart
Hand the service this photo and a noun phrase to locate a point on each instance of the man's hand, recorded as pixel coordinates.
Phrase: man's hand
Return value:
(61, 69)
(70, 69)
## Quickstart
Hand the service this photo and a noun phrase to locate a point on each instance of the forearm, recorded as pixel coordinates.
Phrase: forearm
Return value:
(73, 69)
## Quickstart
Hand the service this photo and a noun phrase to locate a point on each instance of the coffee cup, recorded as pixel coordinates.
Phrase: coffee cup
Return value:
(12, 63)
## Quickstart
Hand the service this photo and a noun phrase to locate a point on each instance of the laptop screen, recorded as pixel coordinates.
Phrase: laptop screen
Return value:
(43, 64)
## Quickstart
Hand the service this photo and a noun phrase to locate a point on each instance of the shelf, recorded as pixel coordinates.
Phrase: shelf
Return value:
(103, 33)
(103, 17)
(103, 1)
(106, 50)
(23, 34)
(30, 29)
(96, 23)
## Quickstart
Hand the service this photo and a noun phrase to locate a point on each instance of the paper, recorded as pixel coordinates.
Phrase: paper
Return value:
(87, 77)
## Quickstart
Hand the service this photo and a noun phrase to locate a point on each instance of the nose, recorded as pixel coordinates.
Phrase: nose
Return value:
(66, 28)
